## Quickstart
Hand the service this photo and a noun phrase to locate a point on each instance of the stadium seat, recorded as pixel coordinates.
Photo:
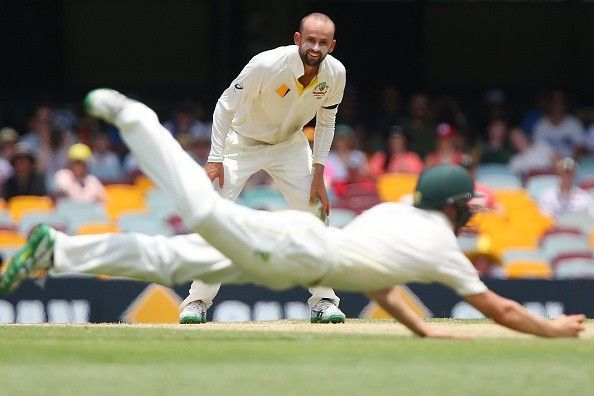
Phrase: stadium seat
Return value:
(527, 269)
(107, 173)
(11, 239)
(493, 169)
(498, 181)
(124, 198)
(392, 186)
(161, 204)
(79, 213)
(536, 185)
(263, 198)
(97, 228)
(569, 256)
(554, 245)
(575, 268)
(144, 183)
(585, 172)
(31, 219)
(19, 205)
(582, 221)
(339, 217)
(143, 224)
(511, 255)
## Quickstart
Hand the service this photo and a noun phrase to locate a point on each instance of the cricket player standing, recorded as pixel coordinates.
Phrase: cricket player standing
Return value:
(258, 123)
(387, 245)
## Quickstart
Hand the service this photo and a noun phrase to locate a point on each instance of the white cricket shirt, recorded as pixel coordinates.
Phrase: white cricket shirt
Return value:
(392, 244)
(263, 103)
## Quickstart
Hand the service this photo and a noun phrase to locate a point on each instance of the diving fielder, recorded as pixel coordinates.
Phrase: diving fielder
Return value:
(387, 245)
(258, 123)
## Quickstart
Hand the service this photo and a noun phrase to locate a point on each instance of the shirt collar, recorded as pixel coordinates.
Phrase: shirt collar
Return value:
(296, 64)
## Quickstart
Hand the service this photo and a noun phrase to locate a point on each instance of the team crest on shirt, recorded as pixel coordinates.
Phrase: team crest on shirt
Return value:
(320, 90)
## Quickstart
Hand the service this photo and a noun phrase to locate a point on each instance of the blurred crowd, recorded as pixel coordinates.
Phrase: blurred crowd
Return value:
(60, 152)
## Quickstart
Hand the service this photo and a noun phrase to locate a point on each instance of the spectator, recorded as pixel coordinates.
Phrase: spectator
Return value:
(39, 128)
(52, 154)
(344, 157)
(495, 150)
(419, 126)
(529, 156)
(25, 180)
(396, 158)
(75, 182)
(446, 151)
(199, 148)
(104, 163)
(389, 109)
(589, 141)
(563, 132)
(8, 138)
(567, 197)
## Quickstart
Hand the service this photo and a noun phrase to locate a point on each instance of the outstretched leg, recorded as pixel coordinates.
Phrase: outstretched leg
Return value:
(278, 250)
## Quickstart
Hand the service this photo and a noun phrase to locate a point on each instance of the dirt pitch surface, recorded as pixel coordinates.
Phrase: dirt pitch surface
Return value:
(475, 329)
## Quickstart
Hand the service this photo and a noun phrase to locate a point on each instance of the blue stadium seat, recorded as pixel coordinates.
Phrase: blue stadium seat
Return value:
(498, 181)
(582, 221)
(556, 244)
(78, 213)
(161, 204)
(339, 217)
(264, 198)
(143, 224)
(536, 185)
(493, 169)
(512, 255)
(31, 219)
(575, 268)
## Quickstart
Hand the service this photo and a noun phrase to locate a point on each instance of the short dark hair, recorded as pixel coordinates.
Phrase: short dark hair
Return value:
(318, 16)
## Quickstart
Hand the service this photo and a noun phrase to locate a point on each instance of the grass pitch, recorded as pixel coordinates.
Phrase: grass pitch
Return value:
(288, 358)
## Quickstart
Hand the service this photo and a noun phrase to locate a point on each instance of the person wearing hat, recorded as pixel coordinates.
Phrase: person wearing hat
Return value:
(75, 182)
(25, 180)
(8, 138)
(396, 157)
(567, 197)
(445, 151)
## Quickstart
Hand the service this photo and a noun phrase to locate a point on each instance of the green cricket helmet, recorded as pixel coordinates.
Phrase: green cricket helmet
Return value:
(445, 185)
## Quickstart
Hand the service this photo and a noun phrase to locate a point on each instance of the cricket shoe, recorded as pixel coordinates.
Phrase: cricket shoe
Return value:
(325, 311)
(193, 313)
(105, 103)
(32, 260)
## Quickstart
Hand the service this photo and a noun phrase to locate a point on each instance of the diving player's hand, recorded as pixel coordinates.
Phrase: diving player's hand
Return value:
(318, 189)
(215, 170)
(569, 325)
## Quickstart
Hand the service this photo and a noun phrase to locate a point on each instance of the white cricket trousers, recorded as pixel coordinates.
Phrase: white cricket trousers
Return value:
(278, 250)
(290, 165)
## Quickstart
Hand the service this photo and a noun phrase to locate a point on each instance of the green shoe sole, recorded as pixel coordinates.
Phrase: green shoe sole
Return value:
(330, 319)
(191, 320)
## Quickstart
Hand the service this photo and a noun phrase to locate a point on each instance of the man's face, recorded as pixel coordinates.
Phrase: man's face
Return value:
(315, 41)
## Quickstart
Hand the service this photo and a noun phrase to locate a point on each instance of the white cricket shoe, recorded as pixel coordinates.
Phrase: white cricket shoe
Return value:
(105, 103)
(193, 313)
(325, 311)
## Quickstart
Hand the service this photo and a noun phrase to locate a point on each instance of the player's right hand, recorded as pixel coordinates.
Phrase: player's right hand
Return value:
(214, 170)
(569, 325)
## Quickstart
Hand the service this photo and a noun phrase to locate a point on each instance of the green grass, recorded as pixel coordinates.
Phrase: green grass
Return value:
(47, 360)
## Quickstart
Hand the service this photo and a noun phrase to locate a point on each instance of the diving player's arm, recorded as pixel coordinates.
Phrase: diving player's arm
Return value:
(391, 301)
(513, 315)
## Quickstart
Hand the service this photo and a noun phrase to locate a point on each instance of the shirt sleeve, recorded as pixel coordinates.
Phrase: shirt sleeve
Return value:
(459, 274)
(326, 121)
(243, 89)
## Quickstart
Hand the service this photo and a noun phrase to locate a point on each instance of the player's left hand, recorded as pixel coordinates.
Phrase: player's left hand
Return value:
(318, 190)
